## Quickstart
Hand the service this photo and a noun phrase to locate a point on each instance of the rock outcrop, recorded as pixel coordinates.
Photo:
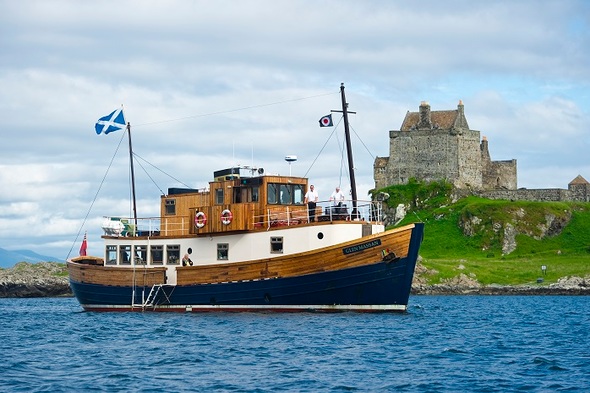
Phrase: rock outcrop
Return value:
(43, 279)
(466, 285)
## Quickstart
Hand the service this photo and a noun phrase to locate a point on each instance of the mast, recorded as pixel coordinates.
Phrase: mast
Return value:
(349, 151)
(132, 179)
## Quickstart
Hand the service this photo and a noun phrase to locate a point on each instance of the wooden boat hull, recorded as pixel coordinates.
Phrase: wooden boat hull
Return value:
(375, 283)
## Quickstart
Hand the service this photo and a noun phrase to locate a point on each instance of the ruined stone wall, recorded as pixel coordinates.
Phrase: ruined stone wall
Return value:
(500, 175)
(580, 192)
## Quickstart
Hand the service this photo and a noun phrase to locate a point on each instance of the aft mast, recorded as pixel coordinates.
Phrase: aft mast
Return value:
(349, 152)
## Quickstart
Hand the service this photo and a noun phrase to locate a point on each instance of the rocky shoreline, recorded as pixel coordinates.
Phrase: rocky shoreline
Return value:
(50, 279)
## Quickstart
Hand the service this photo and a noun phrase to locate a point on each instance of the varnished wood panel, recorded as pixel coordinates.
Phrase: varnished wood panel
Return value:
(116, 276)
(304, 263)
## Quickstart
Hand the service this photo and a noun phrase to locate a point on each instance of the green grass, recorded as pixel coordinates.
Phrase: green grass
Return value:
(467, 236)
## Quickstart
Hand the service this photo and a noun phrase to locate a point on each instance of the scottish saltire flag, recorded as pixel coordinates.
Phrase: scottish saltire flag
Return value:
(113, 122)
(326, 121)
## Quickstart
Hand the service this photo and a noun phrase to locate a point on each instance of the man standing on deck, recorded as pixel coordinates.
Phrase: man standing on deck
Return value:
(311, 199)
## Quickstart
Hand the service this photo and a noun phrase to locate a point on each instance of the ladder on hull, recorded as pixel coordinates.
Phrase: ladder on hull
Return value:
(150, 300)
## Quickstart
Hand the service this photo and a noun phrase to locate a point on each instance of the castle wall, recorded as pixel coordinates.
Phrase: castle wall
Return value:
(500, 175)
(469, 161)
(428, 155)
(536, 195)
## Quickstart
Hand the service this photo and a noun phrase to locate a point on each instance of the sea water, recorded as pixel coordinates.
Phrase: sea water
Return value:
(442, 344)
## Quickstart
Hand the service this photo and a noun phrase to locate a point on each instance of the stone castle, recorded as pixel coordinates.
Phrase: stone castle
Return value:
(439, 145)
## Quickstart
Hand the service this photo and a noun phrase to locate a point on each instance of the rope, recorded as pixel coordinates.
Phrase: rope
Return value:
(95, 196)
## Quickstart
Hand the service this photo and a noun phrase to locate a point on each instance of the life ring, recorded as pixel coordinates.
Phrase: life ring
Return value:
(200, 219)
(226, 217)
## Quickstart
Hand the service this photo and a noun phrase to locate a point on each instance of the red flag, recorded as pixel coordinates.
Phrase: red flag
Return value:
(83, 247)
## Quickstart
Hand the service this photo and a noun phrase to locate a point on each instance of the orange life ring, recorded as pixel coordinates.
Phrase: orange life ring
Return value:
(200, 220)
(226, 217)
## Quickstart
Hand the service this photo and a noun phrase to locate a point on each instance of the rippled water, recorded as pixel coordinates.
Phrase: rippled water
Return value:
(443, 344)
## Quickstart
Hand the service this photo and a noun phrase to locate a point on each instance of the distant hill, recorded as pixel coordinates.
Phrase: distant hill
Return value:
(10, 258)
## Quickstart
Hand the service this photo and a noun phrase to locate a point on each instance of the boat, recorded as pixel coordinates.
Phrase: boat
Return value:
(248, 243)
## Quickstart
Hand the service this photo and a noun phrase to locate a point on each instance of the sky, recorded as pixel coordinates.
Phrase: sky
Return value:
(207, 85)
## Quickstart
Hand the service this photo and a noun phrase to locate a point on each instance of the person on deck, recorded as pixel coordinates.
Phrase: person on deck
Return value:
(186, 259)
(311, 199)
(337, 197)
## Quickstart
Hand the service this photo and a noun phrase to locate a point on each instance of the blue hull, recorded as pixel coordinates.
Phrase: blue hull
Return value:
(381, 286)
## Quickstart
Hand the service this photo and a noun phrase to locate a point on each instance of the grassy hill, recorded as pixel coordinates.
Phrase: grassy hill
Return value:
(495, 241)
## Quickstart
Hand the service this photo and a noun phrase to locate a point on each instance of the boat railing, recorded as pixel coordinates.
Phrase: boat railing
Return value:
(369, 211)
(279, 215)
(147, 226)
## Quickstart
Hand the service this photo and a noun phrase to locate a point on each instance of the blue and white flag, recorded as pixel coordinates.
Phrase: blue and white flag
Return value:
(326, 121)
(113, 122)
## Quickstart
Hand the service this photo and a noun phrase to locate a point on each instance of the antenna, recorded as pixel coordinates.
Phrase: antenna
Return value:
(290, 159)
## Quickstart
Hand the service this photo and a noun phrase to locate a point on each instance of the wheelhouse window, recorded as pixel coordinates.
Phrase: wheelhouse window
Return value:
(140, 255)
(222, 251)
(111, 253)
(272, 193)
(219, 196)
(157, 255)
(284, 194)
(298, 194)
(276, 245)
(173, 254)
(170, 207)
(125, 255)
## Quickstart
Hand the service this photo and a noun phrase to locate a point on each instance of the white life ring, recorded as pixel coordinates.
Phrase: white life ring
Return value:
(200, 219)
(226, 217)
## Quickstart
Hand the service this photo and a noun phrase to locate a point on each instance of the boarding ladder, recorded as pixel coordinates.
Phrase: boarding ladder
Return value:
(149, 301)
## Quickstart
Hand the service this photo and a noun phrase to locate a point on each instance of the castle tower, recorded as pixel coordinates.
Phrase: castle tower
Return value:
(438, 145)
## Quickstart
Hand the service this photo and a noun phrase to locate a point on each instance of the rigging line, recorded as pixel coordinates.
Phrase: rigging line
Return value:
(235, 110)
(322, 149)
(363, 143)
(155, 167)
(95, 196)
(148, 175)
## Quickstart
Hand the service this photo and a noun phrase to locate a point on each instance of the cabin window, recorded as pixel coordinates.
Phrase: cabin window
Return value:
(125, 255)
(170, 206)
(272, 191)
(276, 245)
(285, 192)
(219, 196)
(254, 194)
(222, 251)
(173, 254)
(298, 194)
(140, 255)
(157, 254)
(111, 255)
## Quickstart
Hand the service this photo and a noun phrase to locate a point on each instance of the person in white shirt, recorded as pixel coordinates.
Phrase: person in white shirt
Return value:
(311, 199)
(337, 197)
